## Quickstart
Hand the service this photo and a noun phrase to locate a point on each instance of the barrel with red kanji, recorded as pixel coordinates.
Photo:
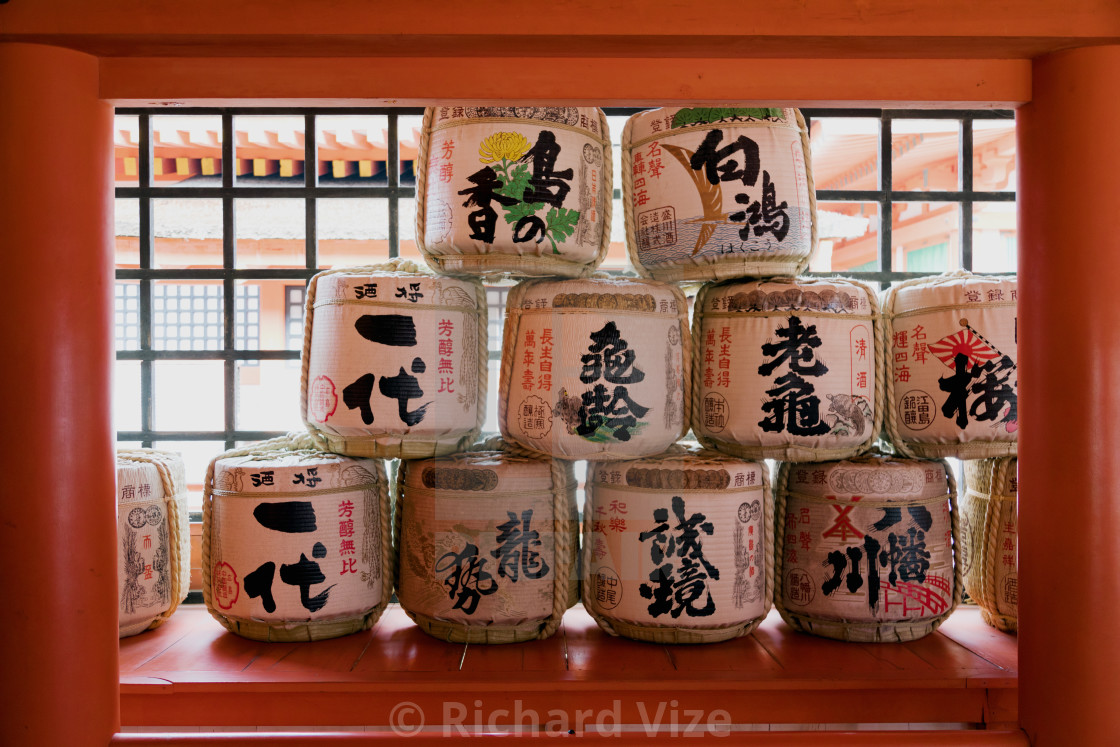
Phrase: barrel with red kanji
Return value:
(718, 192)
(595, 368)
(394, 361)
(952, 378)
(296, 542)
(676, 547)
(787, 368)
(487, 545)
(864, 548)
(514, 190)
(990, 544)
(153, 536)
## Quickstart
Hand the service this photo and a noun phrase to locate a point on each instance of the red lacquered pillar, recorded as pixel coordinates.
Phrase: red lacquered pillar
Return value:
(1069, 397)
(58, 635)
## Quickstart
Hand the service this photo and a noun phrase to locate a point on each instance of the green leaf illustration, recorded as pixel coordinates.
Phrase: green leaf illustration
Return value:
(704, 115)
(521, 210)
(515, 181)
(561, 223)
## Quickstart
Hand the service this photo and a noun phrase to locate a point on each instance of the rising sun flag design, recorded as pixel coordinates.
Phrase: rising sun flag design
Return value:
(965, 341)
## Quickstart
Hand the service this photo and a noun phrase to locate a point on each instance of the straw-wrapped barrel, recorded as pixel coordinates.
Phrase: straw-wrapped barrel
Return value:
(295, 541)
(676, 547)
(718, 192)
(595, 368)
(394, 361)
(990, 544)
(952, 379)
(487, 544)
(864, 548)
(787, 368)
(514, 190)
(154, 552)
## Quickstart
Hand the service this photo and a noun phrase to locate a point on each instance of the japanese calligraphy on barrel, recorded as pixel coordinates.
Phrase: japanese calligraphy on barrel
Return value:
(514, 190)
(990, 539)
(394, 361)
(296, 542)
(952, 383)
(487, 545)
(153, 538)
(787, 368)
(718, 192)
(595, 368)
(676, 547)
(864, 548)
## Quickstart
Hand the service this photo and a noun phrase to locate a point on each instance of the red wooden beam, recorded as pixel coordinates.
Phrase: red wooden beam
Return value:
(569, 28)
(603, 81)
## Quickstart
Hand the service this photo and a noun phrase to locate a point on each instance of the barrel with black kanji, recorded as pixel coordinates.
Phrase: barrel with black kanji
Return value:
(676, 547)
(952, 371)
(595, 368)
(487, 545)
(990, 539)
(296, 543)
(718, 192)
(394, 361)
(864, 548)
(514, 190)
(787, 368)
(153, 538)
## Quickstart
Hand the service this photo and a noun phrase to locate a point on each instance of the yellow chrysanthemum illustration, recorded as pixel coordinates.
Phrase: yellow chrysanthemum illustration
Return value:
(508, 146)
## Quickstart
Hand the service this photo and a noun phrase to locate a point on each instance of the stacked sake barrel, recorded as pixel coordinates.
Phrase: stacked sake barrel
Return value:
(296, 543)
(718, 192)
(488, 544)
(595, 368)
(676, 546)
(864, 547)
(990, 539)
(953, 379)
(787, 368)
(153, 559)
(394, 361)
(517, 191)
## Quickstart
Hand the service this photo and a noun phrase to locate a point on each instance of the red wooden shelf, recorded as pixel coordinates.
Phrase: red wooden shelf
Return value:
(191, 672)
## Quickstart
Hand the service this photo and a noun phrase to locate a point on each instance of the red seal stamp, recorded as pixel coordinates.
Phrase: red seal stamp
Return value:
(322, 399)
(224, 583)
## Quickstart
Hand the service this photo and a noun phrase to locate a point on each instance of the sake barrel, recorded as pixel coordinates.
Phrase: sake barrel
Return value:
(990, 530)
(153, 535)
(787, 368)
(514, 190)
(952, 387)
(718, 192)
(394, 361)
(595, 368)
(295, 542)
(676, 547)
(864, 547)
(487, 545)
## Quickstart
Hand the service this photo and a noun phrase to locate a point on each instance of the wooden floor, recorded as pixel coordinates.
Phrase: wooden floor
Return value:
(192, 672)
